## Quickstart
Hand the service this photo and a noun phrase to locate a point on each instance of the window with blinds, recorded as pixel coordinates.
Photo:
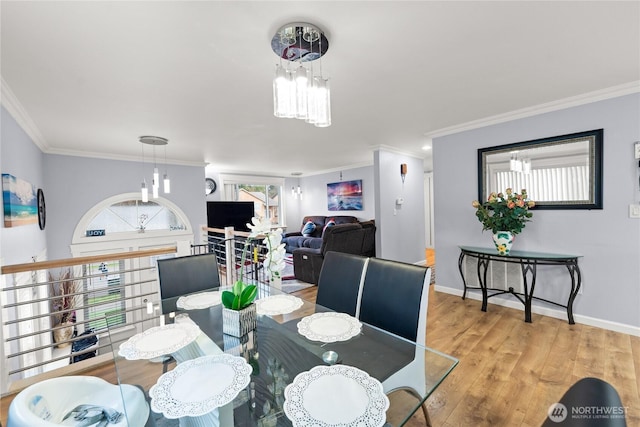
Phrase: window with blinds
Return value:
(549, 184)
(104, 284)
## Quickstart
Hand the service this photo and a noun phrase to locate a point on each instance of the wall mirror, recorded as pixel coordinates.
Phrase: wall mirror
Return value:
(560, 172)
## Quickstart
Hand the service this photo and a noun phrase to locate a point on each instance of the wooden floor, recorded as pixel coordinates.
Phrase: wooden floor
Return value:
(510, 371)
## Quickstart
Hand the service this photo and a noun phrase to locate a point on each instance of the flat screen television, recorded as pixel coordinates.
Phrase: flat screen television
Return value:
(229, 214)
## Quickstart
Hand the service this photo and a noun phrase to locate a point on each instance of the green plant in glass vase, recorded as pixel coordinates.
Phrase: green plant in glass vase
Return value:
(506, 211)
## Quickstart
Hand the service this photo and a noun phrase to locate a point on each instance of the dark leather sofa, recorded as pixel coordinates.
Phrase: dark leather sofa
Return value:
(296, 240)
(353, 238)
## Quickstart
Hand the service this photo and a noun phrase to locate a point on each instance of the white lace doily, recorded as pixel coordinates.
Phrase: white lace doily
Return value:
(329, 327)
(335, 395)
(198, 386)
(159, 340)
(199, 300)
(278, 304)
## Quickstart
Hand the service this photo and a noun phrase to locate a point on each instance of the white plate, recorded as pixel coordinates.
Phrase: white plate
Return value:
(335, 395)
(329, 327)
(159, 340)
(199, 300)
(278, 304)
(198, 386)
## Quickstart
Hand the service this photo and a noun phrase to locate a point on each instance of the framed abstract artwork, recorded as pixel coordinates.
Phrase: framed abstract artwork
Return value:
(345, 195)
(19, 201)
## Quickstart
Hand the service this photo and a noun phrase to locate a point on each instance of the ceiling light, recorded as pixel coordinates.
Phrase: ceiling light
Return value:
(297, 93)
(155, 183)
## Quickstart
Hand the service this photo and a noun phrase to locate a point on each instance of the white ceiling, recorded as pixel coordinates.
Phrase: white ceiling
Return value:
(94, 76)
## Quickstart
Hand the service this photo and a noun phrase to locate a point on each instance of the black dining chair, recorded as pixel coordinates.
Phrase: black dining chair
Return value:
(340, 282)
(185, 275)
(395, 296)
(585, 394)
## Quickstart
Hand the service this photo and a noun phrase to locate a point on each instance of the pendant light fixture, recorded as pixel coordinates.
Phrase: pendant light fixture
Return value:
(155, 182)
(297, 194)
(297, 93)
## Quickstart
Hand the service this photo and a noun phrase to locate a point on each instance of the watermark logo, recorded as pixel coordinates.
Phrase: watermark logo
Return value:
(557, 412)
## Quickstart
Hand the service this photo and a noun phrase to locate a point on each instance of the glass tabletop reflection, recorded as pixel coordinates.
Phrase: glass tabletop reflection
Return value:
(277, 352)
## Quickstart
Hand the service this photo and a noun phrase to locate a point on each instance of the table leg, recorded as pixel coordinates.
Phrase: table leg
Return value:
(483, 266)
(464, 282)
(576, 281)
(528, 268)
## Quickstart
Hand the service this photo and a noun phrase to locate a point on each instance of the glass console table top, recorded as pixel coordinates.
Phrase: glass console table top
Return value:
(518, 254)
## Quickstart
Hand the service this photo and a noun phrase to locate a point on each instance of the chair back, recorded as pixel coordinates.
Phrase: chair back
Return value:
(185, 275)
(395, 296)
(340, 282)
(588, 393)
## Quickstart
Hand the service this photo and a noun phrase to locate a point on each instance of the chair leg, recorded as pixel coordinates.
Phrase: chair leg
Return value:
(425, 411)
(415, 394)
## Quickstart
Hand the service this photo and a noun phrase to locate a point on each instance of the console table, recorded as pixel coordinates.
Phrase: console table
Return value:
(528, 263)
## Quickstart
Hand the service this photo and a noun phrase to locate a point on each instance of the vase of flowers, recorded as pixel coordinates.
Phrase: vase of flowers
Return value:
(505, 214)
(63, 293)
(239, 312)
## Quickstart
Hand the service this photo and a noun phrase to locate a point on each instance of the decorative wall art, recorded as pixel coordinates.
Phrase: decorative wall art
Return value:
(345, 196)
(19, 200)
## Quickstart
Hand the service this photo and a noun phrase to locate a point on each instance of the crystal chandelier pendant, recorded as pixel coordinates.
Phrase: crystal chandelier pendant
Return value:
(298, 93)
(323, 103)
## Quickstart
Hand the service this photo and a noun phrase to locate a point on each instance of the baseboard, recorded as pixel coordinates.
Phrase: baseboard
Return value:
(547, 311)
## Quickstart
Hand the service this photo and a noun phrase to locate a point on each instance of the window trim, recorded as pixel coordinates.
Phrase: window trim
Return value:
(79, 234)
(257, 180)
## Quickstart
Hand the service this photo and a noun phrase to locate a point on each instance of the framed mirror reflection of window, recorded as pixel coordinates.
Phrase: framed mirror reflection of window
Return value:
(560, 172)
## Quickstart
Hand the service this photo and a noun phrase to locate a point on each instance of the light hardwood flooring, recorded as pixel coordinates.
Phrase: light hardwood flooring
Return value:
(510, 371)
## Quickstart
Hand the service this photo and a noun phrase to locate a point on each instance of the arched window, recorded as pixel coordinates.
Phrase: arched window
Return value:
(119, 224)
(135, 215)
(127, 213)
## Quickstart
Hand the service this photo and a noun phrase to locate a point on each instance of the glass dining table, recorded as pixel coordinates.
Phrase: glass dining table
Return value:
(281, 350)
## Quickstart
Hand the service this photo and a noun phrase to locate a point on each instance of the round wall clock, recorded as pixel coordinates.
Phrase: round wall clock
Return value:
(210, 186)
(42, 210)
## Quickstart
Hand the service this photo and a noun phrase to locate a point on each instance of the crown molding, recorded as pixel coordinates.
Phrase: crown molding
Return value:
(561, 104)
(126, 158)
(338, 169)
(416, 154)
(19, 113)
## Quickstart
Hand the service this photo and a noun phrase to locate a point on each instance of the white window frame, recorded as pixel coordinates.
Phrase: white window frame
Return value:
(231, 179)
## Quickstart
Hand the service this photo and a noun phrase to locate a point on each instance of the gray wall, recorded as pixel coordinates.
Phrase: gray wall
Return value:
(72, 185)
(75, 184)
(20, 157)
(608, 239)
(314, 196)
(400, 235)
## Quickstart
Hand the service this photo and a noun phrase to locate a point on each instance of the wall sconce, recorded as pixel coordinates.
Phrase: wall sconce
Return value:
(297, 194)
(403, 171)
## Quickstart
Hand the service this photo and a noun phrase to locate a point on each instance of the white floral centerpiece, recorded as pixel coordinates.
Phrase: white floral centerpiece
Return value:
(274, 261)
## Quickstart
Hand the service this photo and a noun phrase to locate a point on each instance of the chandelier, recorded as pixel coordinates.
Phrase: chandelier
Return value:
(519, 165)
(301, 92)
(155, 183)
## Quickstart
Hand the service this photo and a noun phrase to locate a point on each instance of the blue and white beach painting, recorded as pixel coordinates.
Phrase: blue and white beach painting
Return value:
(19, 201)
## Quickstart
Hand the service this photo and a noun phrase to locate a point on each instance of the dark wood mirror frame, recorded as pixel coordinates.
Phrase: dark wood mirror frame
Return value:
(582, 148)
